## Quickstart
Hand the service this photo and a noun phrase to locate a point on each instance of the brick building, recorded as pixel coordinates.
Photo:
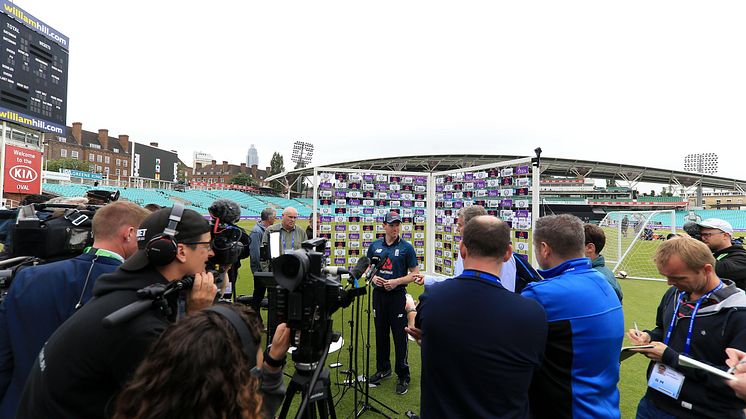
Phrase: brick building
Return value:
(224, 173)
(109, 156)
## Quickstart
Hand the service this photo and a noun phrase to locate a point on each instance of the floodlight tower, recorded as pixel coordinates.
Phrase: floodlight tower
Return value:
(702, 163)
(302, 155)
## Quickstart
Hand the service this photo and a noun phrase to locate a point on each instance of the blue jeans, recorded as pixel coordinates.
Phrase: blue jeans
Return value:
(647, 410)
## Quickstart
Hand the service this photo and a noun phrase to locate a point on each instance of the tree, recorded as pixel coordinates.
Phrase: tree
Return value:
(182, 172)
(243, 179)
(276, 165)
(72, 164)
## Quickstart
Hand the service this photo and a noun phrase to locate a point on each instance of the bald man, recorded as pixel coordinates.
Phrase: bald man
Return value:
(291, 236)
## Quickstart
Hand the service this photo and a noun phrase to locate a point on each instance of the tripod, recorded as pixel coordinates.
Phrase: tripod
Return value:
(320, 397)
(311, 380)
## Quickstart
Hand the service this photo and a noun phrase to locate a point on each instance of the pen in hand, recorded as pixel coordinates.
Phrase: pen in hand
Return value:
(637, 331)
(732, 369)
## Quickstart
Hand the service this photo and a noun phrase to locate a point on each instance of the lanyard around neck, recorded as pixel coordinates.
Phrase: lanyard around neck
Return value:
(688, 343)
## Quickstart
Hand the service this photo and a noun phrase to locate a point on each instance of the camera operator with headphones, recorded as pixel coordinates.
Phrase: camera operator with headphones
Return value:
(84, 365)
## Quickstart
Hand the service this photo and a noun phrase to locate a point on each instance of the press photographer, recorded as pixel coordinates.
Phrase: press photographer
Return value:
(84, 365)
(42, 297)
(230, 242)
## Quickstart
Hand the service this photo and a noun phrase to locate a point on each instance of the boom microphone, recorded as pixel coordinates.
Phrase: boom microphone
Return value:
(226, 210)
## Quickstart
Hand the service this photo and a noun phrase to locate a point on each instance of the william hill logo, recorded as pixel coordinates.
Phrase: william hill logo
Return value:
(23, 174)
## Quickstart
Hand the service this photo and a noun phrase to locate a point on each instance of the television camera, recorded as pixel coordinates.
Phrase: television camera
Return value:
(306, 296)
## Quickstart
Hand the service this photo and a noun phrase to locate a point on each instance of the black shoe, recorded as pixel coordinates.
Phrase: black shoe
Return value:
(402, 387)
(379, 376)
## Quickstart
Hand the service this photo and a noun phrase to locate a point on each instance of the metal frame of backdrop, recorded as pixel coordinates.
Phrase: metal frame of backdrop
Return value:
(498, 197)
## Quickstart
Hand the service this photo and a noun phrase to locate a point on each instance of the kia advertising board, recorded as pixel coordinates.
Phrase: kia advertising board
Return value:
(22, 170)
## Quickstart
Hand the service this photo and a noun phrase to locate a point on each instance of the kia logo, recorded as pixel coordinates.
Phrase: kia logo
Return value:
(23, 174)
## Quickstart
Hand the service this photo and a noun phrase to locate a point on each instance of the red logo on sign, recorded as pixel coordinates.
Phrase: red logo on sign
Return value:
(23, 174)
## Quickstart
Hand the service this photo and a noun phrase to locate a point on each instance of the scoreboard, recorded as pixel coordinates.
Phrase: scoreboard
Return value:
(33, 76)
(154, 163)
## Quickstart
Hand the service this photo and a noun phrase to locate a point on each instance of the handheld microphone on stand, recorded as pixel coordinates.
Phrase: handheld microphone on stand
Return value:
(376, 264)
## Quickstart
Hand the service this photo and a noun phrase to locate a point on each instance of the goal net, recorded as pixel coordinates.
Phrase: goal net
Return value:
(631, 240)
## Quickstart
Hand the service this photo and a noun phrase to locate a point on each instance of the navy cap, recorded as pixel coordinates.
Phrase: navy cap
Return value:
(392, 217)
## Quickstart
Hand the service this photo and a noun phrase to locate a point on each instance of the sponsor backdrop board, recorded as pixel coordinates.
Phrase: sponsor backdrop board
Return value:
(352, 206)
(504, 190)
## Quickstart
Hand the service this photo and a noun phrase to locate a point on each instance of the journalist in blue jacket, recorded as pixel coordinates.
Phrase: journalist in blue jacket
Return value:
(42, 297)
(580, 370)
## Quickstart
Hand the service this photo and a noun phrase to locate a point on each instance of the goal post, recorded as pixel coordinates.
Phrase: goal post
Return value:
(632, 238)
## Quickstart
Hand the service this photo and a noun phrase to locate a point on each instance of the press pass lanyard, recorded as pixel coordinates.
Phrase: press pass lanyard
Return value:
(483, 275)
(688, 343)
(292, 241)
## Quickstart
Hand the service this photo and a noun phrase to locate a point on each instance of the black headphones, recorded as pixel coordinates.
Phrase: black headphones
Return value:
(161, 249)
(247, 340)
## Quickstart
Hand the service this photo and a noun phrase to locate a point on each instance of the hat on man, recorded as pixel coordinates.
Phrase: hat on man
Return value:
(392, 217)
(717, 224)
(191, 226)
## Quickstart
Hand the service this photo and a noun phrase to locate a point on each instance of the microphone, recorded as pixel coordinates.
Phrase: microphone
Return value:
(356, 271)
(359, 269)
(335, 270)
(226, 210)
(376, 263)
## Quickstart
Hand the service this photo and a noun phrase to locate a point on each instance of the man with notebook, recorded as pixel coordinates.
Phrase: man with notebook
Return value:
(699, 316)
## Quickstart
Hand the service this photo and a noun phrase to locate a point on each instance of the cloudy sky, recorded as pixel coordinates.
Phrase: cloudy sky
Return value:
(634, 82)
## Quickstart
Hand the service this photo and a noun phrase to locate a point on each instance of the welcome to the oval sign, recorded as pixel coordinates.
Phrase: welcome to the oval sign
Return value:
(22, 170)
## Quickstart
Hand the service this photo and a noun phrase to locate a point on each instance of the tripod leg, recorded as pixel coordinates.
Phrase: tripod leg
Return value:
(293, 388)
(330, 403)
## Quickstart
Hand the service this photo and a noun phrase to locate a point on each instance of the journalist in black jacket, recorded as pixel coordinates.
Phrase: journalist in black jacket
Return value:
(719, 323)
(731, 263)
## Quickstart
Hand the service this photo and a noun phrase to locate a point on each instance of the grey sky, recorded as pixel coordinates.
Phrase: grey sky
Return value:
(633, 82)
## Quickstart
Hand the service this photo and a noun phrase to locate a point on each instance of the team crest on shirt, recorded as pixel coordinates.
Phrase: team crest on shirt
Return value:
(396, 252)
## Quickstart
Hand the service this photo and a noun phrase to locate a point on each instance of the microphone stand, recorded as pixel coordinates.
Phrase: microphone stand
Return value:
(365, 403)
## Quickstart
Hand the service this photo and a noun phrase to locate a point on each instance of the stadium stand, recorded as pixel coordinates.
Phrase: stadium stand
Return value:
(198, 200)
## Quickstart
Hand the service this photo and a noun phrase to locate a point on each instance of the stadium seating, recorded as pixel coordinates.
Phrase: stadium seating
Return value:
(198, 200)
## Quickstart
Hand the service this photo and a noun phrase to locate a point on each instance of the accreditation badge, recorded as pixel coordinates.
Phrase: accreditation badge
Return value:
(666, 380)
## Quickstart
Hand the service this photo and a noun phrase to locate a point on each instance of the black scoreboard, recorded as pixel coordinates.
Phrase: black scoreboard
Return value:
(154, 163)
(33, 76)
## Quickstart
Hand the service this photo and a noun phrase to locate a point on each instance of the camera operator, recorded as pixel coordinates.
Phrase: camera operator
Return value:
(42, 297)
(389, 300)
(226, 213)
(209, 365)
(730, 258)
(268, 217)
(83, 366)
